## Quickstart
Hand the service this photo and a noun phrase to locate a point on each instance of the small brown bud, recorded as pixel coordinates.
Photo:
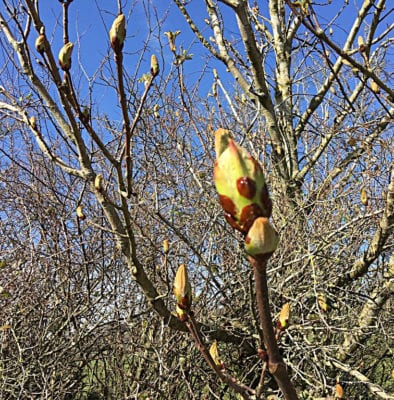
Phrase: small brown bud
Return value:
(65, 56)
(154, 66)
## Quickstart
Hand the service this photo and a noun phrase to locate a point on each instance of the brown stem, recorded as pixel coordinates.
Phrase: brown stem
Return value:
(276, 365)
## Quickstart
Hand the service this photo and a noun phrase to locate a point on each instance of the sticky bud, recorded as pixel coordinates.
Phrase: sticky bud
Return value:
(65, 56)
(240, 183)
(32, 122)
(364, 196)
(262, 238)
(166, 246)
(214, 353)
(80, 213)
(41, 43)
(182, 289)
(375, 88)
(98, 182)
(154, 66)
(284, 316)
(117, 33)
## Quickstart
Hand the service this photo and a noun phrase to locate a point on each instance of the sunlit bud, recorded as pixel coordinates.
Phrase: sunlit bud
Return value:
(154, 65)
(361, 44)
(331, 31)
(284, 316)
(117, 33)
(215, 73)
(98, 182)
(182, 288)
(65, 56)
(346, 62)
(262, 238)
(171, 39)
(240, 183)
(156, 111)
(322, 301)
(80, 213)
(364, 196)
(214, 352)
(182, 314)
(339, 392)
(33, 122)
(375, 88)
(41, 42)
(166, 246)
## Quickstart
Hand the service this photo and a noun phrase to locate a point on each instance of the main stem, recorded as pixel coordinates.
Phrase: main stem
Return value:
(276, 365)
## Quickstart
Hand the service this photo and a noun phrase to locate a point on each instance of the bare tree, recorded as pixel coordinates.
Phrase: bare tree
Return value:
(106, 188)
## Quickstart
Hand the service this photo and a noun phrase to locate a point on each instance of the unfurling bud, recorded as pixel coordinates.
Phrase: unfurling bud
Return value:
(364, 196)
(117, 33)
(262, 239)
(65, 56)
(240, 183)
(171, 39)
(166, 246)
(214, 353)
(284, 316)
(41, 42)
(183, 289)
(98, 182)
(154, 66)
(80, 213)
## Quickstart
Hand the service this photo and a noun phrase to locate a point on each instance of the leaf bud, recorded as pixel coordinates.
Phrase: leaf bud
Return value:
(41, 43)
(240, 182)
(65, 56)
(364, 196)
(375, 88)
(262, 239)
(183, 289)
(154, 66)
(98, 182)
(80, 213)
(284, 316)
(166, 246)
(117, 33)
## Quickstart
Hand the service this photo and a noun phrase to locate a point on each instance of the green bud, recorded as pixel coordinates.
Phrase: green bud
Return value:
(240, 182)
